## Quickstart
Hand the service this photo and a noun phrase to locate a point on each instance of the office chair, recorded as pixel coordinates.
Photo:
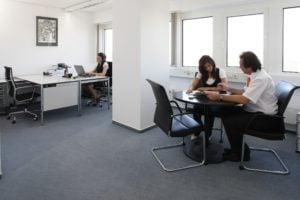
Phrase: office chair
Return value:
(220, 129)
(173, 125)
(19, 99)
(273, 129)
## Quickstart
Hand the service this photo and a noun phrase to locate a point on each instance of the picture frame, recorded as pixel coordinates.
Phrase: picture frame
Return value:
(46, 31)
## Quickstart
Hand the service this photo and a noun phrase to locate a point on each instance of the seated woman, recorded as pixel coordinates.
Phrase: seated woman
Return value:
(208, 78)
(100, 70)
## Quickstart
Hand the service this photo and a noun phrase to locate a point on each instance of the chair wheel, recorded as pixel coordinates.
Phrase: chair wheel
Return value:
(8, 117)
(13, 121)
(35, 119)
(241, 167)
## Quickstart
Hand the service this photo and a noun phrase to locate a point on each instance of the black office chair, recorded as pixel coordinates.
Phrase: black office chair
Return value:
(19, 96)
(220, 129)
(273, 126)
(174, 125)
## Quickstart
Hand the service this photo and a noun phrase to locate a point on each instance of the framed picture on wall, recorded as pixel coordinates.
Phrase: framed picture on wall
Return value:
(46, 31)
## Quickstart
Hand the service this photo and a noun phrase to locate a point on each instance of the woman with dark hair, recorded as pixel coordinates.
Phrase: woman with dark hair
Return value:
(207, 79)
(100, 70)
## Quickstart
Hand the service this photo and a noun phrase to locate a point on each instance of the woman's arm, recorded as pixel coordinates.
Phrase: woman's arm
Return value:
(103, 73)
(194, 85)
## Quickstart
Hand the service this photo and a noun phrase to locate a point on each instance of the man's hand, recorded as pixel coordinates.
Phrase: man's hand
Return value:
(214, 96)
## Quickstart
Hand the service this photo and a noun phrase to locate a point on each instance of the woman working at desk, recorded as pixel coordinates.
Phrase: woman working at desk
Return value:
(208, 78)
(100, 70)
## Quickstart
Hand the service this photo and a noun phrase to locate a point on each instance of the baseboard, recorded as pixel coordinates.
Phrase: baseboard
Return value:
(133, 129)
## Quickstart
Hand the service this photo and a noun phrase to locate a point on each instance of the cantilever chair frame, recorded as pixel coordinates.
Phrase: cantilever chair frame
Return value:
(166, 127)
(279, 117)
(180, 144)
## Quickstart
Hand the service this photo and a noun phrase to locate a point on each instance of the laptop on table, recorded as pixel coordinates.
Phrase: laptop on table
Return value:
(81, 72)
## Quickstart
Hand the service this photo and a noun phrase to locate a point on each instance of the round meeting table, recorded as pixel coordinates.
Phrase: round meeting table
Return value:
(193, 148)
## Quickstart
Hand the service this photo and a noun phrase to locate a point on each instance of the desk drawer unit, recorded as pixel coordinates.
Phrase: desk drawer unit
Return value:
(60, 95)
(298, 133)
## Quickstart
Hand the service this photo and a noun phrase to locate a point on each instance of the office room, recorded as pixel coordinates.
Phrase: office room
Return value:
(149, 99)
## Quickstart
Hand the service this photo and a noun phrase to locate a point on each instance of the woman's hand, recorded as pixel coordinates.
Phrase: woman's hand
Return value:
(223, 87)
(214, 96)
(190, 90)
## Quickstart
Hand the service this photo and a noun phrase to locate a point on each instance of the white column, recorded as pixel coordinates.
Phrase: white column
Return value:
(140, 51)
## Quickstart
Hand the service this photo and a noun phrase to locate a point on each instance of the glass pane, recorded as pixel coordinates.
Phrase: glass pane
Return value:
(197, 40)
(108, 44)
(245, 33)
(291, 58)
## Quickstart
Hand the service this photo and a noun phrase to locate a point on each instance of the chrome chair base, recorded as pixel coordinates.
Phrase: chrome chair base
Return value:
(13, 115)
(179, 168)
(243, 167)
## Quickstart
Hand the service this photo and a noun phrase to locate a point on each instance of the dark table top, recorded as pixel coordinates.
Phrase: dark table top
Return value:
(199, 99)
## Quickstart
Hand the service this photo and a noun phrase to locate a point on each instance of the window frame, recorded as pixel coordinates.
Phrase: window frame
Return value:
(182, 37)
(282, 29)
(243, 15)
(104, 40)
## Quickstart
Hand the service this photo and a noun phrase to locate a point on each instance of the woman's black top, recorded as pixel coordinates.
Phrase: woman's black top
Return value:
(217, 80)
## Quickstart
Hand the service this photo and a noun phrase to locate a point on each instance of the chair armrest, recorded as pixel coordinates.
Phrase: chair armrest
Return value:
(177, 105)
(180, 114)
(266, 123)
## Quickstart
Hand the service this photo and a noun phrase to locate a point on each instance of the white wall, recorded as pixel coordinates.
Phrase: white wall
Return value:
(140, 52)
(272, 43)
(76, 38)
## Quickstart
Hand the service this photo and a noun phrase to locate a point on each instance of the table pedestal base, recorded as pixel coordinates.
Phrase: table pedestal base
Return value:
(194, 150)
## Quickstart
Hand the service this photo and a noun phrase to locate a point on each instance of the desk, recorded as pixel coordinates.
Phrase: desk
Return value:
(58, 92)
(193, 149)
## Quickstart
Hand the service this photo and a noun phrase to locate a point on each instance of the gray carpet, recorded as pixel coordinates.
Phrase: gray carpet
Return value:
(89, 158)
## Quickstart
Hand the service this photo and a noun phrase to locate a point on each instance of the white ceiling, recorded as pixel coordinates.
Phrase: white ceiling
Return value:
(175, 4)
(63, 4)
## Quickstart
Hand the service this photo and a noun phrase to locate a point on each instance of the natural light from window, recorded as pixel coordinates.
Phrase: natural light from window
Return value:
(108, 44)
(291, 46)
(245, 33)
(197, 40)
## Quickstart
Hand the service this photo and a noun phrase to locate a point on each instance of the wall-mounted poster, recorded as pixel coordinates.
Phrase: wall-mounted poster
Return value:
(46, 31)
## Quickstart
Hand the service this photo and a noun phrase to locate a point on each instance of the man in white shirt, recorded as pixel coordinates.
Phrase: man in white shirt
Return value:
(257, 96)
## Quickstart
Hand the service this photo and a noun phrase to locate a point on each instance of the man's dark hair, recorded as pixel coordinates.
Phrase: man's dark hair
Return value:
(250, 60)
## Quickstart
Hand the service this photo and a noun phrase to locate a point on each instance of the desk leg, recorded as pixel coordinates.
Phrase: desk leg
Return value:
(108, 94)
(79, 98)
(42, 105)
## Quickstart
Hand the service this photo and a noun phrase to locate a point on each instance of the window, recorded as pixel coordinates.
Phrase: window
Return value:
(291, 40)
(197, 40)
(108, 43)
(245, 33)
(170, 43)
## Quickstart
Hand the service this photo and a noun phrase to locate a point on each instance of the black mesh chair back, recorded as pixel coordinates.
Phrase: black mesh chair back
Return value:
(109, 72)
(10, 80)
(284, 91)
(163, 113)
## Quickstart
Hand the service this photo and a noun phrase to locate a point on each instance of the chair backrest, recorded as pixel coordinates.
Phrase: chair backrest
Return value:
(284, 91)
(109, 72)
(163, 113)
(10, 81)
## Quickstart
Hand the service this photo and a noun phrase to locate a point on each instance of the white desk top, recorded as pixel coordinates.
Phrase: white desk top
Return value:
(42, 80)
